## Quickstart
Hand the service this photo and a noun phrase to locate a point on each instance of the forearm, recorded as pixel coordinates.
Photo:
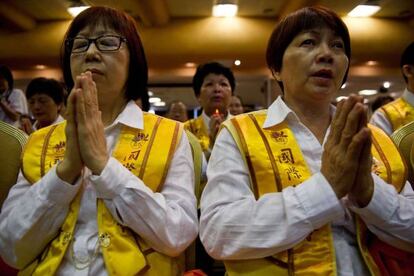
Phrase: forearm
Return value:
(9, 111)
(389, 214)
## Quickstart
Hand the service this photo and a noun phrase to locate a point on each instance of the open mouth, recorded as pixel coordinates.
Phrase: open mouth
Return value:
(326, 74)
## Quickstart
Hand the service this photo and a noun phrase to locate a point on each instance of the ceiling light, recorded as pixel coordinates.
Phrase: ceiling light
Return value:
(237, 62)
(367, 92)
(190, 64)
(372, 62)
(386, 84)
(150, 93)
(343, 86)
(225, 8)
(159, 104)
(364, 10)
(40, 66)
(74, 11)
(154, 100)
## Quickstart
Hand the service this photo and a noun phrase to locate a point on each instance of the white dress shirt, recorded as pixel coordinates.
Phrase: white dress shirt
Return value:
(381, 120)
(167, 220)
(17, 100)
(234, 225)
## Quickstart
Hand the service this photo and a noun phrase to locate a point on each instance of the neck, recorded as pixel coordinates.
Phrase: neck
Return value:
(109, 111)
(315, 117)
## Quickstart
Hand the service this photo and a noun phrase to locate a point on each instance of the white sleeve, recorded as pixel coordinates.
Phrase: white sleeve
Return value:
(167, 220)
(18, 101)
(234, 225)
(32, 215)
(380, 120)
(390, 215)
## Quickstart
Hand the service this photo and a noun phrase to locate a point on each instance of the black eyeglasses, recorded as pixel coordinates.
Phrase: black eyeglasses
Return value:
(104, 43)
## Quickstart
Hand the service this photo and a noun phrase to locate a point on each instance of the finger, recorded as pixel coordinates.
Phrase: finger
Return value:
(352, 125)
(339, 120)
(354, 150)
(366, 157)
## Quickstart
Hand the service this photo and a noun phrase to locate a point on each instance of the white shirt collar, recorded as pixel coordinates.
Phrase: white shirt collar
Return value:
(278, 111)
(131, 116)
(408, 96)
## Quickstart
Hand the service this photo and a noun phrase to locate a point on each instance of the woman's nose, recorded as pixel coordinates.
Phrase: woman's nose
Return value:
(324, 53)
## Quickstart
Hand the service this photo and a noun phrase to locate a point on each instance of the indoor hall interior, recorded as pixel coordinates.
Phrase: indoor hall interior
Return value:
(178, 35)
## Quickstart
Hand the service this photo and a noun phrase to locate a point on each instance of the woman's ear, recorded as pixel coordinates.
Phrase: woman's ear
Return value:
(408, 71)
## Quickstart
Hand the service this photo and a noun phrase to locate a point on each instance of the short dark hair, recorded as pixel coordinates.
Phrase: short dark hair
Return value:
(8, 76)
(121, 22)
(50, 87)
(212, 68)
(301, 20)
(407, 57)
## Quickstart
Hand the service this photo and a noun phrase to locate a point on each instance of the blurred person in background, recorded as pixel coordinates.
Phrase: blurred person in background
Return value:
(177, 111)
(236, 105)
(213, 85)
(12, 101)
(400, 112)
(46, 99)
(380, 101)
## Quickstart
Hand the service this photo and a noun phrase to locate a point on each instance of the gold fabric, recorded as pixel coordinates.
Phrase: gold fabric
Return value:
(146, 153)
(199, 129)
(399, 112)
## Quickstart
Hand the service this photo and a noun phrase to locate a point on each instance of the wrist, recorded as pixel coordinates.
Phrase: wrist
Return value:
(67, 173)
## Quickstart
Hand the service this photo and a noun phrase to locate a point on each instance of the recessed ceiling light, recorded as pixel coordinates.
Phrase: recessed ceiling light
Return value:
(225, 8)
(372, 62)
(364, 10)
(190, 64)
(159, 104)
(154, 100)
(386, 84)
(367, 92)
(237, 62)
(74, 11)
(40, 66)
(343, 86)
(150, 93)
(340, 98)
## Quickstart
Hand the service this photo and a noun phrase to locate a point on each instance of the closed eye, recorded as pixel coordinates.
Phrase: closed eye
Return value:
(308, 42)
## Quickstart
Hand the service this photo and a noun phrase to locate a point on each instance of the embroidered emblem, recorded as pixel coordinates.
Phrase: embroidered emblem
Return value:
(60, 147)
(292, 172)
(134, 155)
(130, 166)
(286, 156)
(139, 140)
(280, 137)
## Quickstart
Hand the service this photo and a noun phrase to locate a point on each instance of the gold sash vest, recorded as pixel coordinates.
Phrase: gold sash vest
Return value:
(147, 154)
(199, 129)
(275, 161)
(399, 112)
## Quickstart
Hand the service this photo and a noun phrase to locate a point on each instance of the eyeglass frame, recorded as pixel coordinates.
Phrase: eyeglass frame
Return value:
(69, 43)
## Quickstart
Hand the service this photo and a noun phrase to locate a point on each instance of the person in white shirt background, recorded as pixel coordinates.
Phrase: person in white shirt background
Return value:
(46, 99)
(12, 101)
(115, 189)
(258, 212)
(400, 112)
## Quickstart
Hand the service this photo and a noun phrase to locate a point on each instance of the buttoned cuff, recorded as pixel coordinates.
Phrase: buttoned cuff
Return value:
(383, 203)
(319, 201)
(54, 189)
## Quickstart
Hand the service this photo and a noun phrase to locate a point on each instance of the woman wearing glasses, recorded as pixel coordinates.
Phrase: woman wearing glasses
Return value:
(109, 191)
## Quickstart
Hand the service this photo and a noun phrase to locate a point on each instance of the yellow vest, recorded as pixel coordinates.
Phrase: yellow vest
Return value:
(399, 112)
(275, 162)
(199, 129)
(147, 154)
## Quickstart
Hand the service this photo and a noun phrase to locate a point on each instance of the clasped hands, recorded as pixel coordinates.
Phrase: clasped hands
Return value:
(347, 160)
(85, 138)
